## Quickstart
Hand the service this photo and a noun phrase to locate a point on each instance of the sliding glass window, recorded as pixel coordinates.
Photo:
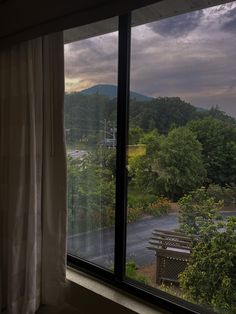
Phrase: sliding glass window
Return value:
(181, 231)
(90, 126)
(152, 167)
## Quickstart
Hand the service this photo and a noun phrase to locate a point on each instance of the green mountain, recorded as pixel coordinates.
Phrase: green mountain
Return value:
(111, 92)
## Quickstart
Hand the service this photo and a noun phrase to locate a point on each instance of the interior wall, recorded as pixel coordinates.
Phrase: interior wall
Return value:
(88, 301)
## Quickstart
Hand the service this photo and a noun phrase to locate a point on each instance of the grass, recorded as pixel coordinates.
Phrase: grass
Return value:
(131, 271)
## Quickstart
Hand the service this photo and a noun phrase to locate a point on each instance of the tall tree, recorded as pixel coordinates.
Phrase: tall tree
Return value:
(141, 167)
(135, 133)
(218, 139)
(179, 163)
(161, 113)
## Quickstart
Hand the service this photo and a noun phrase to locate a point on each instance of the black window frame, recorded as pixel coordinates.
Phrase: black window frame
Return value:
(117, 279)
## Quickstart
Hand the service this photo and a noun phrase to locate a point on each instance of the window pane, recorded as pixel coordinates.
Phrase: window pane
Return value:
(182, 155)
(90, 124)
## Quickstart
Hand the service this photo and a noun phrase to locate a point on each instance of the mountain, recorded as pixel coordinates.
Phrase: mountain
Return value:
(111, 92)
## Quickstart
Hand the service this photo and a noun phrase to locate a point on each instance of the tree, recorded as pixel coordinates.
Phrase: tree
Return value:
(216, 113)
(179, 163)
(152, 140)
(197, 209)
(142, 174)
(161, 113)
(141, 167)
(210, 277)
(218, 139)
(84, 115)
(106, 158)
(135, 133)
(91, 192)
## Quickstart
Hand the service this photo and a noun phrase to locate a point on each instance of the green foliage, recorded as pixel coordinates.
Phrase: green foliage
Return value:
(152, 139)
(216, 113)
(134, 214)
(218, 139)
(139, 199)
(226, 194)
(197, 209)
(135, 133)
(108, 218)
(141, 171)
(140, 204)
(83, 117)
(172, 165)
(131, 272)
(210, 277)
(179, 165)
(159, 207)
(91, 192)
(142, 174)
(161, 113)
(105, 158)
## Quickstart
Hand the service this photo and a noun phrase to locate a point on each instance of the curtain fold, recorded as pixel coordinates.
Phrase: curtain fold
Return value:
(32, 175)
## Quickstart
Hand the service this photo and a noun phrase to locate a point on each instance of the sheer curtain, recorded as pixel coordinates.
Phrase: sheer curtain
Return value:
(32, 175)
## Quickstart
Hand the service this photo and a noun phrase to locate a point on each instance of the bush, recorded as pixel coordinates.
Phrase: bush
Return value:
(108, 219)
(198, 209)
(131, 272)
(210, 277)
(134, 214)
(226, 194)
(159, 207)
(140, 200)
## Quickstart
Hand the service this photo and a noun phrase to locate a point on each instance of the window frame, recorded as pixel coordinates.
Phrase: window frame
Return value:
(117, 279)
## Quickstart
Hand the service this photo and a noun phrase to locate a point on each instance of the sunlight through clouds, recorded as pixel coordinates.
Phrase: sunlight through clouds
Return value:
(191, 56)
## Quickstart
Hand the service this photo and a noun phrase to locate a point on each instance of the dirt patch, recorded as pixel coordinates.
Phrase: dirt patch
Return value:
(149, 272)
(174, 208)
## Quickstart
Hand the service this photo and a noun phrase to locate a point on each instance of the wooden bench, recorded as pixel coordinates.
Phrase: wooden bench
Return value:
(172, 254)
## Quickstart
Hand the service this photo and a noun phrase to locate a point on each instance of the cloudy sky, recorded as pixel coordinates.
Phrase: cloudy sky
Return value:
(192, 56)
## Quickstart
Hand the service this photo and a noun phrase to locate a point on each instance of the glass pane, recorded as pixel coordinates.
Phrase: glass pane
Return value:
(182, 156)
(90, 124)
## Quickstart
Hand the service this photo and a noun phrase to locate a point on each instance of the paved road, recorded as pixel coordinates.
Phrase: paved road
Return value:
(98, 246)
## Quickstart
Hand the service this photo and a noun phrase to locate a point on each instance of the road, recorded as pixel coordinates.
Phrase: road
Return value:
(98, 246)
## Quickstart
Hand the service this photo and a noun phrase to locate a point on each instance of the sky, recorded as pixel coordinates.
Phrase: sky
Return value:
(192, 56)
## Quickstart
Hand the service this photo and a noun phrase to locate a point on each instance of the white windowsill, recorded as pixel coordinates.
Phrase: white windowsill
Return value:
(77, 280)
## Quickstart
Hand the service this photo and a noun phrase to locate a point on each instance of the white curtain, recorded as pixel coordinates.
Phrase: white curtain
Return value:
(32, 175)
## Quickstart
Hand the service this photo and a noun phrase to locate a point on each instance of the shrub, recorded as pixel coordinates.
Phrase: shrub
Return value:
(134, 214)
(226, 194)
(159, 207)
(131, 272)
(108, 219)
(198, 209)
(140, 200)
(210, 277)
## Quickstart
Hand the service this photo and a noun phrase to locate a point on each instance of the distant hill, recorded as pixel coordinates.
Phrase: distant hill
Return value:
(111, 92)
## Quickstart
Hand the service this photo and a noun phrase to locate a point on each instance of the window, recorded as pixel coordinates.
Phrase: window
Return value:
(151, 168)
(90, 119)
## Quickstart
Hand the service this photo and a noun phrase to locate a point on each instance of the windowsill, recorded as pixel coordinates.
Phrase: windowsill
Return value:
(84, 292)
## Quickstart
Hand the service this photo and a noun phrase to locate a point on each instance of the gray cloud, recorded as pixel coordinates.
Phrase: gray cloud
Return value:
(178, 26)
(92, 60)
(229, 21)
(199, 67)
